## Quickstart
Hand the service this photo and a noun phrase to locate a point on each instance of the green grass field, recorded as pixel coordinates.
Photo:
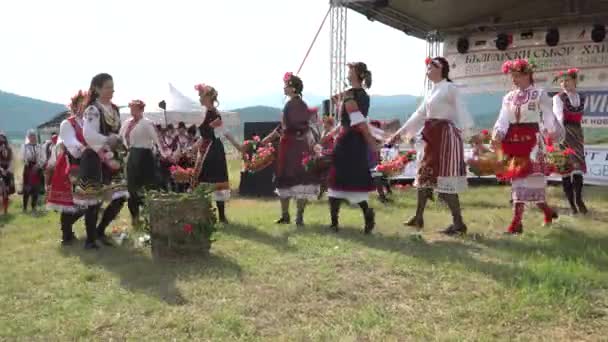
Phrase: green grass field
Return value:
(270, 282)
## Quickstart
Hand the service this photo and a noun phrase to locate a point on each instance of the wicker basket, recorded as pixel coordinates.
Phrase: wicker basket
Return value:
(167, 216)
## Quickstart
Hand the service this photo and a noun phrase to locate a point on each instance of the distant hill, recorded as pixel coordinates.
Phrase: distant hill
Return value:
(19, 113)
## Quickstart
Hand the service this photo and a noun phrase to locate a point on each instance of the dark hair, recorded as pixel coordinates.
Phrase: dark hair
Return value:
(170, 126)
(445, 68)
(192, 130)
(363, 73)
(97, 82)
(296, 83)
(181, 124)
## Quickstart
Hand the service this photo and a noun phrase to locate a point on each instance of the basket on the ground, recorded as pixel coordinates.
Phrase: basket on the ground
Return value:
(180, 225)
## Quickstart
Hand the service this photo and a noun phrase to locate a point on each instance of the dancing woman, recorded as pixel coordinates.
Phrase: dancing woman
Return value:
(569, 107)
(6, 171)
(443, 119)
(33, 160)
(211, 167)
(526, 115)
(65, 160)
(296, 141)
(140, 136)
(101, 176)
(349, 177)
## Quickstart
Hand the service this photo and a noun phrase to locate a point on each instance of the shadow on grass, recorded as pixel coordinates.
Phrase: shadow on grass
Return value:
(248, 232)
(561, 244)
(5, 219)
(139, 272)
(527, 274)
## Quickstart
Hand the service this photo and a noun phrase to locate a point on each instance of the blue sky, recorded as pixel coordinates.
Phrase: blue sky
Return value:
(51, 48)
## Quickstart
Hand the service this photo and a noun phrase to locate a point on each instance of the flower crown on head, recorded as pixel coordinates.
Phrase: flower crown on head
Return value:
(287, 76)
(81, 94)
(519, 65)
(137, 104)
(428, 60)
(572, 72)
(202, 88)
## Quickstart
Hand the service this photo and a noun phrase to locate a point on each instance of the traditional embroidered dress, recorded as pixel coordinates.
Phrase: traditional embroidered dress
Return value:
(65, 160)
(211, 167)
(523, 116)
(442, 118)
(33, 160)
(100, 179)
(440, 121)
(6, 172)
(101, 174)
(349, 176)
(569, 109)
(140, 136)
(182, 145)
(297, 140)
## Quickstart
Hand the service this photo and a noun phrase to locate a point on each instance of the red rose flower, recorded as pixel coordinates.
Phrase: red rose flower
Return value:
(568, 151)
(506, 67)
(572, 71)
(287, 76)
(550, 149)
(188, 228)
(485, 132)
(428, 60)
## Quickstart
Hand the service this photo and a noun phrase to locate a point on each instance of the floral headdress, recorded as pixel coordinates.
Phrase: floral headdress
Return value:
(293, 81)
(572, 72)
(430, 60)
(137, 104)
(519, 65)
(81, 95)
(206, 90)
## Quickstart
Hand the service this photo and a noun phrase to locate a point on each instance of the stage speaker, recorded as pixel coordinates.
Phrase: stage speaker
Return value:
(326, 108)
(462, 45)
(598, 33)
(259, 184)
(552, 37)
(502, 41)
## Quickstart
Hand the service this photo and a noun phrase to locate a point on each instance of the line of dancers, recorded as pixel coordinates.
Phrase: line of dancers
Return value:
(93, 147)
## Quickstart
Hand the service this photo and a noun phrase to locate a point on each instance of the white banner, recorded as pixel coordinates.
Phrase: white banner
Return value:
(595, 156)
(480, 69)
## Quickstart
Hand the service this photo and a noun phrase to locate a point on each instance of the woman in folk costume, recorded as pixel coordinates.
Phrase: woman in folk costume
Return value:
(6, 171)
(140, 137)
(101, 176)
(296, 141)
(33, 161)
(65, 160)
(184, 154)
(211, 167)
(443, 120)
(569, 107)
(349, 177)
(526, 115)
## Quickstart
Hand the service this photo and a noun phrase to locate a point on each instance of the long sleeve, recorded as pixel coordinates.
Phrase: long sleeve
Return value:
(502, 123)
(415, 122)
(550, 120)
(91, 128)
(53, 158)
(558, 108)
(67, 136)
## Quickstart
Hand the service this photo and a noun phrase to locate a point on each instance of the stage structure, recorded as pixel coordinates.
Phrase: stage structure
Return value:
(478, 36)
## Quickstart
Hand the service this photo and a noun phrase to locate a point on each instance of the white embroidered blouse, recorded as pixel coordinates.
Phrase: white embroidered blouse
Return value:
(443, 102)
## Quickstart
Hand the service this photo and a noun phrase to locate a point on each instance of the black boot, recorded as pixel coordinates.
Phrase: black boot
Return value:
(221, 211)
(423, 194)
(369, 216)
(67, 221)
(458, 227)
(301, 205)
(108, 216)
(284, 219)
(569, 192)
(334, 211)
(578, 193)
(90, 223)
